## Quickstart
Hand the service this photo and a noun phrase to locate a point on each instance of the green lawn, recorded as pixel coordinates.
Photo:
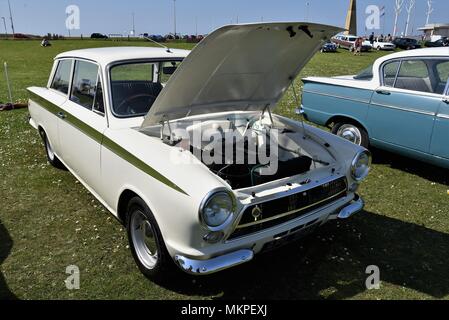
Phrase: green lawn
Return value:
(48, 221)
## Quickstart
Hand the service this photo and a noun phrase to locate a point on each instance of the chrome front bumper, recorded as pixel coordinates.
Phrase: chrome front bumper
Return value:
(351, 209)
(204, 267)
(226, 261)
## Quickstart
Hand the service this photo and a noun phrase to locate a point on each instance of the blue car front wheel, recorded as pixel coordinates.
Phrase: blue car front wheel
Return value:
(352, 132)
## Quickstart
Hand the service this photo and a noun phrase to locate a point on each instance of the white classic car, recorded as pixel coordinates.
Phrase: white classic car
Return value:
(380, 44)
(142, 129)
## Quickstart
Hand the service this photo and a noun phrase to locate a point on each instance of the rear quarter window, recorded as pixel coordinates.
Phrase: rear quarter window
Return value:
(61, 79)
(443, 71)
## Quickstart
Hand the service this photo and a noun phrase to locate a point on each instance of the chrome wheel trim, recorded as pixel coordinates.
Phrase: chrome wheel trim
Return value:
(350, 133)
(144, 240)
(49, 149)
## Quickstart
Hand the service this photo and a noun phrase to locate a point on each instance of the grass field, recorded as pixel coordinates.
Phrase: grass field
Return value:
(48, 221)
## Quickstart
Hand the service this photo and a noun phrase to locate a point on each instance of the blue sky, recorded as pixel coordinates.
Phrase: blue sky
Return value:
(156, 16)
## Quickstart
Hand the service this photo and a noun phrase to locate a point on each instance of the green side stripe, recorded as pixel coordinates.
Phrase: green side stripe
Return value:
(106, 142)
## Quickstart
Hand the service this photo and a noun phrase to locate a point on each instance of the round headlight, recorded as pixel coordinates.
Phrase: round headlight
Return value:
(217, 209)
(361, 166)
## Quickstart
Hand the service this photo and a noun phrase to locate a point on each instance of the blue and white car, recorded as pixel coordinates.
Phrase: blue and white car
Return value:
(400, 104)
(329, 47)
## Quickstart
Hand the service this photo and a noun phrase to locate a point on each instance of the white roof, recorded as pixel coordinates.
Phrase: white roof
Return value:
(427, 52)
(105, 56)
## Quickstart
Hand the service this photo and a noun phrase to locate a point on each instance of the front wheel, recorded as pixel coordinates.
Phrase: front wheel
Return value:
(352, 132)
(146, 242)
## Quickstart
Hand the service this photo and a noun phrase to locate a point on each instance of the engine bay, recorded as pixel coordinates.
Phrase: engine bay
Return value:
(249, 149)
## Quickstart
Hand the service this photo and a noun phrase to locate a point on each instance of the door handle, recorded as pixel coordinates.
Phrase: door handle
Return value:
(384, 92)
(61, 115)
(446, 100)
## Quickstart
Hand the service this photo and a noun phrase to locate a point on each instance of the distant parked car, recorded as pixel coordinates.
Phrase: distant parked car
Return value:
(348, 42)
(157, 38)
(401, 104)
(329, 47)
(21, 36)
(98, 36)
(192, 39)
(383, 45)
(443, 42)
(406, 43)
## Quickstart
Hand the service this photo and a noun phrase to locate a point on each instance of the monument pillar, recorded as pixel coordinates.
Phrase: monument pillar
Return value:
(351, 19)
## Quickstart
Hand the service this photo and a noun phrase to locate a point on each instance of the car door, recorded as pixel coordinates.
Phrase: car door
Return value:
(404, 107)
(439, 146)
(56, 95)
(83, 122)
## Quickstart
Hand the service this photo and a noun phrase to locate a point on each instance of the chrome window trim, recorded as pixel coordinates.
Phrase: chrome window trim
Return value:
(337, 96)
(397, 75)
(66, 95)
(99, 76)
(73, 78)
(402, 59)
(99, 79)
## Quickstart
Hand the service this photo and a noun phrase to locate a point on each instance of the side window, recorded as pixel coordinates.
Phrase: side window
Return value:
(61, 79)
(84, 84)
(99, 102)
(390, 71)
(443, 71)
(414, 75)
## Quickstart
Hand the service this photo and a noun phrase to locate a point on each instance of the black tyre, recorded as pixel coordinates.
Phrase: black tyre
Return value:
(146, 242)
(352, 132)
(51, 156)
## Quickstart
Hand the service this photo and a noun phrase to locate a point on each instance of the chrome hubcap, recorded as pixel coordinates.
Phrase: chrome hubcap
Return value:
(350, 133)
(50, 153)
(144, 240)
